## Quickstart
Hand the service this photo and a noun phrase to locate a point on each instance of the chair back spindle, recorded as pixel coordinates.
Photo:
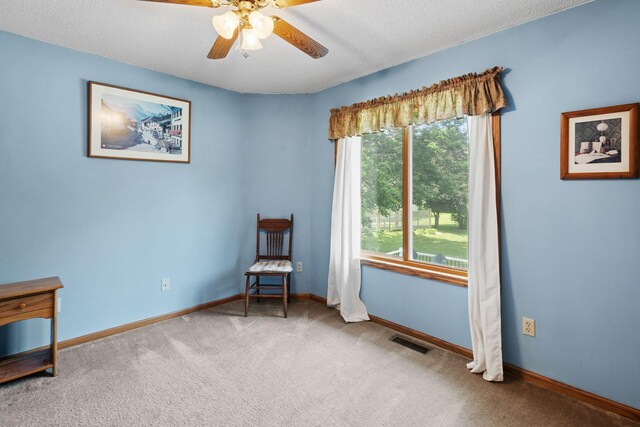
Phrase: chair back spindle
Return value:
(274, 243)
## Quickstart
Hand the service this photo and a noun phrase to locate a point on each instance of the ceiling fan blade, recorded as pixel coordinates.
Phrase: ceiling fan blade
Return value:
(297, 38)
(289, 3)
(222, 46)
(205, 3)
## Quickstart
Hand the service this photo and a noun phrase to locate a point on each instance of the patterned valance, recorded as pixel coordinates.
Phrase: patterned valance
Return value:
(469, 95)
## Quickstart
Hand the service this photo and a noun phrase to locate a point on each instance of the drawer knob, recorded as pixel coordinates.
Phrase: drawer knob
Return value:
(22, 305)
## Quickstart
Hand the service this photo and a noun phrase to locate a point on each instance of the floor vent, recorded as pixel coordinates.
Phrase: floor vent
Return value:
(409, 344)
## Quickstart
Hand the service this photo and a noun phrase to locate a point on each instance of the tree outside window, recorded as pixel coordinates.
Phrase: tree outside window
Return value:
(432, 161)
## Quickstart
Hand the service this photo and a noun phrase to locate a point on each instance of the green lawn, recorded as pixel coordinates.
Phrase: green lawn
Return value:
(448, 240)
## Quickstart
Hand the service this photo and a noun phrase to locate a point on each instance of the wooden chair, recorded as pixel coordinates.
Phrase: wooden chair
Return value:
(275, 261)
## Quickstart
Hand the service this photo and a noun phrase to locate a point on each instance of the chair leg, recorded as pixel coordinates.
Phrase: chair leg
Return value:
(258, 287)
(246, 296)
(289, 287)
(284, 294)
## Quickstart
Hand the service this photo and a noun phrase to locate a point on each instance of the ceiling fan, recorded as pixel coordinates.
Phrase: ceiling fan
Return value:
(245, 18)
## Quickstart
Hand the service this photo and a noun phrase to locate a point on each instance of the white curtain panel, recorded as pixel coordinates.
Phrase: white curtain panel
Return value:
(344, 259)
(484, 259)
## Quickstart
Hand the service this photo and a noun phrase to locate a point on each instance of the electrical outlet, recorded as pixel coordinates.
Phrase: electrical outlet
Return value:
(165, 285)
(299, 266)
(528, 327)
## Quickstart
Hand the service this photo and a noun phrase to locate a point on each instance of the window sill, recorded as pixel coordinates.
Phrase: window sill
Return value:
(425, 271)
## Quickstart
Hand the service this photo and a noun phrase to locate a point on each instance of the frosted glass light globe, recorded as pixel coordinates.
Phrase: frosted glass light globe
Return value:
(250, 40)
(226, 24)
(262, 25)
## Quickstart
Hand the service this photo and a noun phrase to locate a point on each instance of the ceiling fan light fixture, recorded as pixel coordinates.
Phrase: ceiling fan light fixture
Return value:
(244, 20)
(226, 24)
(262, 25)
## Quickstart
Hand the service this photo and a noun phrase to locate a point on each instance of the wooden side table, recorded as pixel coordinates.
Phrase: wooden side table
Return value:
(29, 300)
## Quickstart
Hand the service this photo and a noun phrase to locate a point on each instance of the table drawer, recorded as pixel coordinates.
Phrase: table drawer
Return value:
(17, 306)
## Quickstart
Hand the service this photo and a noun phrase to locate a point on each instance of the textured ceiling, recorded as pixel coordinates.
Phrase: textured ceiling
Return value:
(363, 36)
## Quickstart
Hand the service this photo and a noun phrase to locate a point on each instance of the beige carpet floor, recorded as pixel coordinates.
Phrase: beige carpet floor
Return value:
(216, 367)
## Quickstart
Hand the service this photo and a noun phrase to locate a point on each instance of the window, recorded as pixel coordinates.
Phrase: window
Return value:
(414, 196)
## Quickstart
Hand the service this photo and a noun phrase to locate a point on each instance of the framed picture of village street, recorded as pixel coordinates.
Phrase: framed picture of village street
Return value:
(134, 125)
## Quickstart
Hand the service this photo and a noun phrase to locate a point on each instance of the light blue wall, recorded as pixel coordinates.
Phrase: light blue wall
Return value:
(277, 177)
(570, 249)
(111, 229)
